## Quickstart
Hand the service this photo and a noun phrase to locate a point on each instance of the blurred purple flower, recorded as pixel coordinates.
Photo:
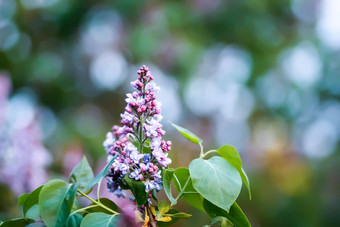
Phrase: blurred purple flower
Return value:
(23, 158)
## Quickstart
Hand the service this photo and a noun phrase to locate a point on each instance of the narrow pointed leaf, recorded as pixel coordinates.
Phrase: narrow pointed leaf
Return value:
(230, 154)
(216, 180)
(101, 174)
(167, 177)
(187, 134)
(179, 215)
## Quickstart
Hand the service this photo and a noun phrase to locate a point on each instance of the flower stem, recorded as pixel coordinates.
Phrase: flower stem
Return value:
(141, 135)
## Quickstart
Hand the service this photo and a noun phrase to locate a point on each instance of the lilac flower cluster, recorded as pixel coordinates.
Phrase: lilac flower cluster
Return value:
(142, 152)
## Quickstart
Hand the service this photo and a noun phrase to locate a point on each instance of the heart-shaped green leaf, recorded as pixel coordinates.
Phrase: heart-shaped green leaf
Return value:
(167, 177)
(230, 154)
(55, 202)
(82, 174)
(181, 177)
(187, 134)
(100, 220)
(235, 215)
(216, 180)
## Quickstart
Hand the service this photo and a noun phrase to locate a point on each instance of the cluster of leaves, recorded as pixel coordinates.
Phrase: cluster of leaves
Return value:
(209, 184)
(55, 203)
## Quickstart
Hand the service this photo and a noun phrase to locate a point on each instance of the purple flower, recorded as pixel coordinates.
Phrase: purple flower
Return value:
(150, 185)
(146, 158)
(136, 156)
(130, 148)
(108, 143)
(141, 131)
(152, 87)
(127, 118)
(135, 174)
(144, 167)
(157, 176)
(151, 128)
(161, 157)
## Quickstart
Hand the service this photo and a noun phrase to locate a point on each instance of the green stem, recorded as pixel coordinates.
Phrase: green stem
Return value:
(98, 203)
(141, 135)
(202, 152)
(83, 209)
(182, 191)
(209, 152)
(98, 189)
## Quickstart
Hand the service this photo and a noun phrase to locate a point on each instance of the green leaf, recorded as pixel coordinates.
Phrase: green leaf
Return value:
(235, 215)
(138, 190)
(173, 219)
(82, 174)
(101, 174)
(100, 220)
(224, 222)
(17, 222)
(22, 199)
(33, 213)
(55, 202)
(167, 177)
(163, 207)
(31, 200)
(154, 195)
(230, 154)
(216, 180)
(179, 215)
(187, 134)
(181, 176)
(107, 202)
(74, 220)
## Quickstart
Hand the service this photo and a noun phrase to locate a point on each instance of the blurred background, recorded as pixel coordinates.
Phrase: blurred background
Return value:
(262, 76)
